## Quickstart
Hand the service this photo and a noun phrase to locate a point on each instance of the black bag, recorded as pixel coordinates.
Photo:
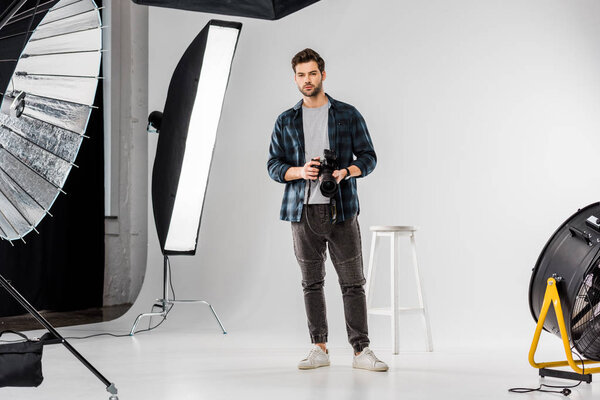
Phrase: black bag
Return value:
(21, 362)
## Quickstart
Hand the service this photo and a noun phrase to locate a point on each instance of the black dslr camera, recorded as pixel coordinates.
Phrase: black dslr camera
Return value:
(329, 185)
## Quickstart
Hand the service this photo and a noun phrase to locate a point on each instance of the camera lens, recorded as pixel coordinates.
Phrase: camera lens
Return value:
(328, 186)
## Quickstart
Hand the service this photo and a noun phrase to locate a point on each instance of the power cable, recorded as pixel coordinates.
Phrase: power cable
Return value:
(565, 390)
(150, 328)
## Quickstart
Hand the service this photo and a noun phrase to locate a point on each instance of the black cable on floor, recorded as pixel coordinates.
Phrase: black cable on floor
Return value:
(124, 334)
(150, 328)
(565, 390)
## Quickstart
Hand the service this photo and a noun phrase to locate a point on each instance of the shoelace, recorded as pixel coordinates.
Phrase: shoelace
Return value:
(313, 351)
(369, 353)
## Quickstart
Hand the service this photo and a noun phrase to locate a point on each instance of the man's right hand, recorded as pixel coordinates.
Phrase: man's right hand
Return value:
(308, 171)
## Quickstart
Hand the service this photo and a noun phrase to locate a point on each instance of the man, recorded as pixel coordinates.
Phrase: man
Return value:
(300, 136)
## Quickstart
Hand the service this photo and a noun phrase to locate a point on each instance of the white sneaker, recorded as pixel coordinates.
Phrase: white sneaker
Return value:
(316, 358)
(367, 360)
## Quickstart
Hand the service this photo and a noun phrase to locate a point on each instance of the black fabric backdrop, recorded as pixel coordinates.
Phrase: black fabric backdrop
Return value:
(62, 268)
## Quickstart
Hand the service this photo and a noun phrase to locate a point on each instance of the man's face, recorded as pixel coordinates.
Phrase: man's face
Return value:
(309, 79)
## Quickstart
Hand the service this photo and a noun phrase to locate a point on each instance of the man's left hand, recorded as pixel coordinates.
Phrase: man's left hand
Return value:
(339, 174)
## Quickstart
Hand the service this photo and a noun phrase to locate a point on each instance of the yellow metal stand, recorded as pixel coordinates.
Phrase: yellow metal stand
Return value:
(551, 298)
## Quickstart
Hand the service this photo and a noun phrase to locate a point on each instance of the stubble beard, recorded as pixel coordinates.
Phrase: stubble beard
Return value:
(317, 89)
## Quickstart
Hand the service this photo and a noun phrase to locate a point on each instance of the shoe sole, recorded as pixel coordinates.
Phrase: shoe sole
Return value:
(383, 369)
(314, 366)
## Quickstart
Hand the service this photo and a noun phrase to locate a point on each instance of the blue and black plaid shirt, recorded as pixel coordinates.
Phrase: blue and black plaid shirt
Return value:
(348, 137)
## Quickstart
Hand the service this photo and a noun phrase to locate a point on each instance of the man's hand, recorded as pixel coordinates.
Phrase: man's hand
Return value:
(339, 174)
(308, 171)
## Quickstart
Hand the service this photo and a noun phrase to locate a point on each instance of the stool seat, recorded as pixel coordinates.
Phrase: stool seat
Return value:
(390, 228)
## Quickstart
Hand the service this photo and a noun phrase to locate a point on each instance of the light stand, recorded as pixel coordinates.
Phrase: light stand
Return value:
(187, 134)
(110, 387)
(166, 303)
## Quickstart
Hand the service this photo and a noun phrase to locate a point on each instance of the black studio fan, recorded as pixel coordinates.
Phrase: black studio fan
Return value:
(567, 277)
(585, 322)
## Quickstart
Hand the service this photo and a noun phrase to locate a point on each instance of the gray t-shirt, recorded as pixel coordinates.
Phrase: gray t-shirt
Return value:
(316, 139)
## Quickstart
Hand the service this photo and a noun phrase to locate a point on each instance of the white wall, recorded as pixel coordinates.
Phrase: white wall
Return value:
(485, 116)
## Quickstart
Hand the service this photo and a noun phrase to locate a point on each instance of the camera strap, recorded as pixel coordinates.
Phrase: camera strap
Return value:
(333, 208)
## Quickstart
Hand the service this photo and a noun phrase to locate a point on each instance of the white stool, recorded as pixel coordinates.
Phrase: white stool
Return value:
(394, 233)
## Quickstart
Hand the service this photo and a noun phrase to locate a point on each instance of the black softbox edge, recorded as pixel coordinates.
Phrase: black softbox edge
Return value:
(265, 9)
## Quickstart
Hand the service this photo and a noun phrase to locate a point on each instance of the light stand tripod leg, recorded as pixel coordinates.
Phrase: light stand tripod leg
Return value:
(144, 315)
(167, 303)
(110, 387)
(164, 302)
(216, 317)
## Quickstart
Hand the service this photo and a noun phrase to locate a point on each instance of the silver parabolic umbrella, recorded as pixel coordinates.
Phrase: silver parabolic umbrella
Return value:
(45, 110)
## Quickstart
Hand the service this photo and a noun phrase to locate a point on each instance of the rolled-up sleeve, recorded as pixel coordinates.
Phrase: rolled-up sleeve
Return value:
(276, 164)
(362, 146)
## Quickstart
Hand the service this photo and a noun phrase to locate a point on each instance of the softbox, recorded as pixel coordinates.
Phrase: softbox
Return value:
(187, 135)
(263, 9)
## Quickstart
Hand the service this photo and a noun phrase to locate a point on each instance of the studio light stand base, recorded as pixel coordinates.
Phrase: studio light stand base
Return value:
(110, 387)
(166, 303)
(556, 373)
(551, 298)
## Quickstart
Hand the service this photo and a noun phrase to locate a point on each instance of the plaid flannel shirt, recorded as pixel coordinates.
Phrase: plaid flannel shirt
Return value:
(348, 137)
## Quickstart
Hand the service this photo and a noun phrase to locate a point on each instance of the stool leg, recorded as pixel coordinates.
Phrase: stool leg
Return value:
(371, 269)
(394, 292)
(413, 245)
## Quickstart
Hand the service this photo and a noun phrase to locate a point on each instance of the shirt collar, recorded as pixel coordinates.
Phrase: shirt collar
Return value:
(332, 103)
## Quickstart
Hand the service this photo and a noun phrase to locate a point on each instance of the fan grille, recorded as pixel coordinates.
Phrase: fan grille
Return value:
(585, 321)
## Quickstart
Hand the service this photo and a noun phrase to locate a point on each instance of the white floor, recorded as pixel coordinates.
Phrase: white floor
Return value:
(180, 361)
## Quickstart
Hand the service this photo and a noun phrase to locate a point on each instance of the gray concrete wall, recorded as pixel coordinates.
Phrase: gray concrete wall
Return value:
(126, 228)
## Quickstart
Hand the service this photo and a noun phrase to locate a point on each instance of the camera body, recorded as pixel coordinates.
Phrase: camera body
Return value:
(329, 185)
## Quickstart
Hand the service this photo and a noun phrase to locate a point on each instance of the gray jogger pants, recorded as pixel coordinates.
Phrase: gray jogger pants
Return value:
(312, 235)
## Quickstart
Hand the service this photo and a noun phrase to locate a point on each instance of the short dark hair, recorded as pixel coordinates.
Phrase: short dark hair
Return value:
(308, 55)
